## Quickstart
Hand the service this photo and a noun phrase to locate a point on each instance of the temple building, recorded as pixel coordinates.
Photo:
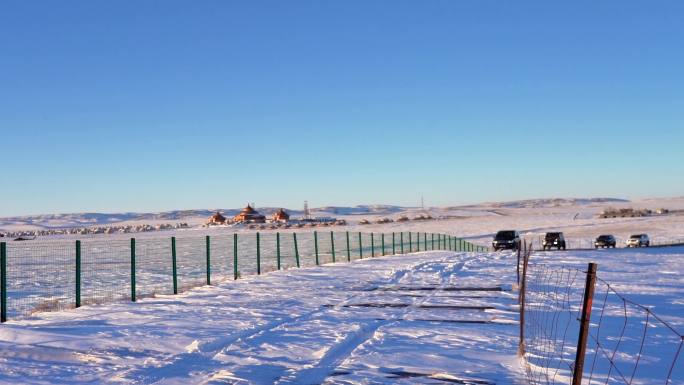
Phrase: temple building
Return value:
(281, 216)
(248, 214)
(216, 219)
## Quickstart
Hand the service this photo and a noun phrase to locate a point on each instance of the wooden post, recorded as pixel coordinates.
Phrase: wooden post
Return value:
(584, 324)
(3, 281)
(521, 299)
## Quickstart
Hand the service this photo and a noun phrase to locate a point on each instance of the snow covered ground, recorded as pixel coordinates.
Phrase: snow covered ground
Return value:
(432, 317)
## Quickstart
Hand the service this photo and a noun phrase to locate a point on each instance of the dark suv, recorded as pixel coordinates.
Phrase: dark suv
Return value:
(604, 241)
(556, 240)
(506, 239)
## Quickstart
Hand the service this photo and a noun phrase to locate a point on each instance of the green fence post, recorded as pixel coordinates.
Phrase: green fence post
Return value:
(410, 243)
(258, 261)
(372, 246)
(332, 245)
(294, 235)
(173, 265)
(394, 247)
(278, 249)
(133, 269)
(316, 246)
(235, 256)
(360, 247)
(78, 273)
(425, 241)
(348, 249)
(401, 239)
(3, 281)
(432, 241)
(382, 241)
(208, 248)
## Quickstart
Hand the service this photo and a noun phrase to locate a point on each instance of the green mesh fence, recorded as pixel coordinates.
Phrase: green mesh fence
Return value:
(61, 274)
(191, 262)
(105, 271)
(40, 277)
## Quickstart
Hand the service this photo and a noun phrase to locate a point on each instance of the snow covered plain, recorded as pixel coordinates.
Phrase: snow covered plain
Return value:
(431, 317)
(333, 324)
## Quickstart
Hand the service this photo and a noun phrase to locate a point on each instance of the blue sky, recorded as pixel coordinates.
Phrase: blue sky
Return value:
(155, 105)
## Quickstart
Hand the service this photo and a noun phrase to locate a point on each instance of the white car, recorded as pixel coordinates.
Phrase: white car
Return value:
(638, 240)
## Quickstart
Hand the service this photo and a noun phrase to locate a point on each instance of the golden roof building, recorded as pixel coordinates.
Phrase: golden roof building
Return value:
(281, 216)
(216, 219)
(248, 214)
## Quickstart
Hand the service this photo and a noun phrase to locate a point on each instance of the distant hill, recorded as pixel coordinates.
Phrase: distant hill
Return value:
(55, 221)
(556, 202)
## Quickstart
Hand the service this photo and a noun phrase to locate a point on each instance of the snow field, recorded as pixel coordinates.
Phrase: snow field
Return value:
(431, 317)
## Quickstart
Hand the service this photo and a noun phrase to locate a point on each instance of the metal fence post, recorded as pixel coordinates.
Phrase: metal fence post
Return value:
(173, 265)
(584, 324)
(410, 243)
(278, 250)
(332, 245)
(360, 247)
(372, 246)
(3, 281)
(348, 249)
(78, 273)
(208, 248)
(382, 241)
(316, 246)
(401, 240)
(294, 236)
(258, 250)
(433, 240)
(394, 246)
(235, 256)
(425, 241)
(133, 269)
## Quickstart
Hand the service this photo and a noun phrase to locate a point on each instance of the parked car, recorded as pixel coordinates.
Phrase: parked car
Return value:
(556, 240)
(506, 239)
(638, 240)
(604, 241)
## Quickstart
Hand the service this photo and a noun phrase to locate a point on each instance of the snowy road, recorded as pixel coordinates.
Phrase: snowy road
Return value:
(434, 317)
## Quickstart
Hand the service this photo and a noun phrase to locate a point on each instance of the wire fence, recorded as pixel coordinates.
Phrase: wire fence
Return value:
(59, 274)
(576, 328)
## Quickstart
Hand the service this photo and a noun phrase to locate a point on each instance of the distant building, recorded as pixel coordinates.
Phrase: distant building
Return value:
(281, 216)
(217, 219)
(248, 214)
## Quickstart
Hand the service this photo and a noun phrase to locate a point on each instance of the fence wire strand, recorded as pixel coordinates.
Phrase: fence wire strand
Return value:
(627, 342)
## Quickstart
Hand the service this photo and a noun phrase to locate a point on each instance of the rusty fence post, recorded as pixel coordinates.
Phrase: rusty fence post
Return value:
(521, 299)
(584, 324)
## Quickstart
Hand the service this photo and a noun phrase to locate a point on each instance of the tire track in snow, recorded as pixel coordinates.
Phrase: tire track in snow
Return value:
(337, 354)
(202, 357)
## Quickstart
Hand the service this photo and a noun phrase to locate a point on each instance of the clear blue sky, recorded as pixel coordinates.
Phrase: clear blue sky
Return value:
(155, 105)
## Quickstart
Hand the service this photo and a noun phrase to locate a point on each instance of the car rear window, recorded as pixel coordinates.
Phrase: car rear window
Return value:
(505, 235)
